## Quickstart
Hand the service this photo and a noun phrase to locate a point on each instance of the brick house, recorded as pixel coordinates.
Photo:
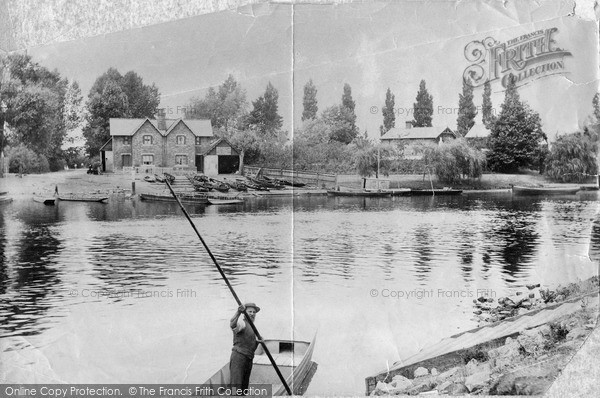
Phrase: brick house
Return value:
(158, 142)
(414, 137)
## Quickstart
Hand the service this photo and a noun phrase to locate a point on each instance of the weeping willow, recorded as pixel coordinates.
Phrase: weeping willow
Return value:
(573, 157)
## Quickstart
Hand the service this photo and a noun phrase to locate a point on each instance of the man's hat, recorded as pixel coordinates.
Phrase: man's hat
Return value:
(252, 305)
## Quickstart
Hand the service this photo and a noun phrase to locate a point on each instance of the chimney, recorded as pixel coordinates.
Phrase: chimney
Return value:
(162, 123)
(408, 124)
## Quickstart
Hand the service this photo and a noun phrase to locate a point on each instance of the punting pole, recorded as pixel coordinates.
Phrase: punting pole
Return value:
(235, 296)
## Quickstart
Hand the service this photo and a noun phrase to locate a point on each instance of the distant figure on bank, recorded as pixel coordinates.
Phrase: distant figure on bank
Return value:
(244, 345)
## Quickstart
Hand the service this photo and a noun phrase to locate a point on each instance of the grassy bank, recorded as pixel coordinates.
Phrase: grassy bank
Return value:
(486, 182)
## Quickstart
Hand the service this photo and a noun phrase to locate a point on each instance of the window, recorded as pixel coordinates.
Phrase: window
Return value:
(147, 140)
(147, 159)
(126, 160)
(198, 141)
(181, 159)
(180, 140)
(126, 140)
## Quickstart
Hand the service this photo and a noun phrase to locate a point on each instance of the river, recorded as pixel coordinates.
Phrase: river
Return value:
(124, 293)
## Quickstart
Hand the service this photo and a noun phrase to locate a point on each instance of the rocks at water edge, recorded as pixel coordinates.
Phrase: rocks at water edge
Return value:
(420, 372)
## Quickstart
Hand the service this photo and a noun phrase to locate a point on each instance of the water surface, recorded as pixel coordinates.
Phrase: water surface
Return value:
(124, 292)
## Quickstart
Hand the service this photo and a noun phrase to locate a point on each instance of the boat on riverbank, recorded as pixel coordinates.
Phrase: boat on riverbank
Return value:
(568, 190)
(183, 197)
(82, 198)
(48, 201)
(293, 358)
(5, 199)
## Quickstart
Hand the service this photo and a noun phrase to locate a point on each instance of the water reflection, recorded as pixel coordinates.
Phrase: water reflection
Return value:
(423, 249)
(36, 280)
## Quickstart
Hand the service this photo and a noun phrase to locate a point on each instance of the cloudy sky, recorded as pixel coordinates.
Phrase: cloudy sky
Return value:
(371, 46)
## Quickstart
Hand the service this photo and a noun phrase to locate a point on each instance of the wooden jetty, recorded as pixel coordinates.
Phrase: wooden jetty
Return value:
(449, 352)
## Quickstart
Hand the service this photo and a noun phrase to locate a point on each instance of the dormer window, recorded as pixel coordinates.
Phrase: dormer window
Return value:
(147, 140)
(180, 139)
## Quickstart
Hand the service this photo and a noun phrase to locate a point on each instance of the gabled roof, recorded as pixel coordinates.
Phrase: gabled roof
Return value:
(128, 127)
(217, 142)
(416, 133)
(106, 145)
(478, 131)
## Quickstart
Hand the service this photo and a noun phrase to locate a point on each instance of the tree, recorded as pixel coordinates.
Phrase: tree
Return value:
(573, 157)
(35, 102)
(389, 117)
(73, 109)
(111, 102)
(310, 101)
(486, 107)
(225, 106)
(349, 104)
(455, 161)
(264, 115)
(341, 123)
(466, 110)
(516, 134)
(596, 105)
(243, 141)
(423, 108)
(115, 96)
(143, 99)
(21, 159)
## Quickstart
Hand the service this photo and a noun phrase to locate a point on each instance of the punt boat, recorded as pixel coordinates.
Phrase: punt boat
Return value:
(359, 193)
(293, 358)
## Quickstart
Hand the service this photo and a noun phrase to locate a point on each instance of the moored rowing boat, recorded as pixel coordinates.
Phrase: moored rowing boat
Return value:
(49, 201)
(184, 198)
(215, 201)
(82, 198)
(293, 358)
(568, 190)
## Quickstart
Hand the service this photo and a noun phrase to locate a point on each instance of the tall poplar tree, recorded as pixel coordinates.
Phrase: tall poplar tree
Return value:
(310, 101)
(389, 118)
(486, 107)
(423, 108)
(466, 110)
(349, 104)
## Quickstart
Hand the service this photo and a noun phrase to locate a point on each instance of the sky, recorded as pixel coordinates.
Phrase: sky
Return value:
(369, 45)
